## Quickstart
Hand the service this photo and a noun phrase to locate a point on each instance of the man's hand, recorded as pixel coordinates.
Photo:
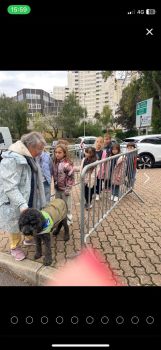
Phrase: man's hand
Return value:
(22, 210)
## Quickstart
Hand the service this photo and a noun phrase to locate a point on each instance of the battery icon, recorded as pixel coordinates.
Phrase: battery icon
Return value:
(150, 11)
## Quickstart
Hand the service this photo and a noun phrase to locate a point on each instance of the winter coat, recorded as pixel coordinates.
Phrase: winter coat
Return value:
(63, 173)
(108, 149)
(15, 186)
(90, 176)
(101, 168)
(118, 173)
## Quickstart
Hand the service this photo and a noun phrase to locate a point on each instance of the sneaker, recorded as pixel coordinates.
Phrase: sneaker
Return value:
(69, 222)
(18, 254)
(86, 205)
(97, 197)
(29, 242)
(89, 206)
(115, 199)
(70, 217)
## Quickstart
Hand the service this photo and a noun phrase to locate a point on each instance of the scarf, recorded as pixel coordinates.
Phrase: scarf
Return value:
(38, 195)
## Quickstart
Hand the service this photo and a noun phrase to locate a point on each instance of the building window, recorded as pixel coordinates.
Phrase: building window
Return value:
(20, 97)
(32, 97)
(46, 98)
(34, 106)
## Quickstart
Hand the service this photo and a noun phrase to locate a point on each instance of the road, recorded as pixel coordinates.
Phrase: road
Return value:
(8, 279)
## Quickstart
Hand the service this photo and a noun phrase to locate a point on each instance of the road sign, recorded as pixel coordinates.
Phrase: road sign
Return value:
(144, 113)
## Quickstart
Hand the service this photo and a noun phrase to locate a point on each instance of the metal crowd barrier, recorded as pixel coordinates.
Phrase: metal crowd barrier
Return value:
(115, 182)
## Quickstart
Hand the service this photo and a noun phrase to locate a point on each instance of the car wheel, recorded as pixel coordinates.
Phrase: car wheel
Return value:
(145, 161)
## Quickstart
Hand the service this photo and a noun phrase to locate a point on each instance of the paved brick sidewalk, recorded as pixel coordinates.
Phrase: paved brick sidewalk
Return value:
(129, 239)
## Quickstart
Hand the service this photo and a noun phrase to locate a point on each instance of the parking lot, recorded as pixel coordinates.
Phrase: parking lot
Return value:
(129, 240)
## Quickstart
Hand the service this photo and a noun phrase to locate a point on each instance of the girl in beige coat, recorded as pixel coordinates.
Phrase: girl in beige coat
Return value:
(117, 172)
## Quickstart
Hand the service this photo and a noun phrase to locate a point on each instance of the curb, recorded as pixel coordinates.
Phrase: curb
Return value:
(34, 272)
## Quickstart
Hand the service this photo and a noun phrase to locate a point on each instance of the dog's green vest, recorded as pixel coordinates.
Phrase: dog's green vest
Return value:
(55, 211)
(50, 223)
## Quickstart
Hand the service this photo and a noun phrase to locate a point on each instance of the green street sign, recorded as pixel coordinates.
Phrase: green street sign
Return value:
(144, 113)
(141, 108)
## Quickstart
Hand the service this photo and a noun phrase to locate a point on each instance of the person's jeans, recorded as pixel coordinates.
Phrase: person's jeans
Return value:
(115, 190)
(47, 189)
(88, 192)
(131, 179)
(107, 184)
(67, 200)
(99, 186)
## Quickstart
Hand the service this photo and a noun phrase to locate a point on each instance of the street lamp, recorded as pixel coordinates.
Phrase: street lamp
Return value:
(84, 115)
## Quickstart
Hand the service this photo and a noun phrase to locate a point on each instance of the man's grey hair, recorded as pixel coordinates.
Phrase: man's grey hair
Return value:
(33, 138)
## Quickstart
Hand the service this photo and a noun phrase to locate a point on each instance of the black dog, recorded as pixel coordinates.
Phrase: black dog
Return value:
(33, 222)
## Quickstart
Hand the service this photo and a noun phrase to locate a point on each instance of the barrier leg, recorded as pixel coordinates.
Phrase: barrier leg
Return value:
(136, 195)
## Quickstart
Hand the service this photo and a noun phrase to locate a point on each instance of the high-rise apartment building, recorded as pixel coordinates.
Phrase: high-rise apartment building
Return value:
(94, 93)
(60, 92)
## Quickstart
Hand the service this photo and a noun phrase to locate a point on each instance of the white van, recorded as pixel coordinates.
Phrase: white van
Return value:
(5, 138)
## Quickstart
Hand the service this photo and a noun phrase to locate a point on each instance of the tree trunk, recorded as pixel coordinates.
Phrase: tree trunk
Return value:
(159, 91)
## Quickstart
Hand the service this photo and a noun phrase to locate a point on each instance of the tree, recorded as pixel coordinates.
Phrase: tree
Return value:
(14, 115)
(151, 87)
(20, 118)
(47, 123)
(97, 116)
(126, 114)
(91, 129)
(106, 74)
(106, 116)
(147, 86)
(71, 115)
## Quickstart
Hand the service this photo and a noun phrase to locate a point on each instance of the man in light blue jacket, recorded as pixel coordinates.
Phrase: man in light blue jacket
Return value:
(21, 186)
(46, 165)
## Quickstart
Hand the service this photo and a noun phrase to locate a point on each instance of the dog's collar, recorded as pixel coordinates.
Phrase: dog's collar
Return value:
(48, 223)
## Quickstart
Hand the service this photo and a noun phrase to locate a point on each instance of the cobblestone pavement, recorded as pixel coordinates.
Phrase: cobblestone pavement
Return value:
(9, 279)
(129, 239)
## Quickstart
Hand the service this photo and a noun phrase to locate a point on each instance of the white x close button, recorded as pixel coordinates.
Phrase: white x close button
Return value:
(149, 31)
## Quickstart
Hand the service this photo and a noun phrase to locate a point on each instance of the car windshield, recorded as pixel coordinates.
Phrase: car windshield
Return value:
(130, 140)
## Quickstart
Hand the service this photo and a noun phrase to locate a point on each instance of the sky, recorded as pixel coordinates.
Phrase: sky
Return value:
(12, 81)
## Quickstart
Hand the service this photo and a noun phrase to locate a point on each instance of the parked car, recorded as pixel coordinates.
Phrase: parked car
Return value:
(54, 144)
(149, 149)
(84, 142)
(5, 138)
